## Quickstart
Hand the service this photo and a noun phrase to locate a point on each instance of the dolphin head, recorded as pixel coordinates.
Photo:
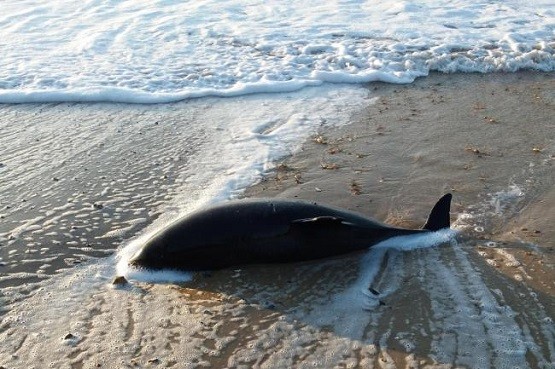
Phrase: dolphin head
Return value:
(179, 247)
(161, 250)
(152, 255)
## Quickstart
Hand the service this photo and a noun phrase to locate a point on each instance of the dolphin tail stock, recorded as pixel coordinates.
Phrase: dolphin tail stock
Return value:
(439, 216)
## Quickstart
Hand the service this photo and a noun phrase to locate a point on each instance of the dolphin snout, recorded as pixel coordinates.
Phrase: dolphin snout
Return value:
(139, 259)
(146, 258)
(135, 261)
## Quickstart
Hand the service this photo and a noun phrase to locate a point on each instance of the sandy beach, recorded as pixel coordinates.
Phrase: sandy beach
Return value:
(478, 136)
(484, 298)
(488, 139)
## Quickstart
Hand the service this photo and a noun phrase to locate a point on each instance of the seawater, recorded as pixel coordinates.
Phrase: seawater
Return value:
(162, 51)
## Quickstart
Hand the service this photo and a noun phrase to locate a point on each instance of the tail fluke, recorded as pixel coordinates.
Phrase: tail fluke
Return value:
(439, 216)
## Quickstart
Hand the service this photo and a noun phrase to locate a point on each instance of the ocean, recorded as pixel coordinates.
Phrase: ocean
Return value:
(118, 117)
(164, 51)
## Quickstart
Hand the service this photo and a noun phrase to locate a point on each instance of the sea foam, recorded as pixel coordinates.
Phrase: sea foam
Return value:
(145, 53)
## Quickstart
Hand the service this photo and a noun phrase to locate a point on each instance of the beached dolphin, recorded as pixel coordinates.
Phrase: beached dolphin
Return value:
(257, 231)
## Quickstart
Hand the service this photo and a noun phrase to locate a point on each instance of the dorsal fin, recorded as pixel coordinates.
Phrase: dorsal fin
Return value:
(439, 216)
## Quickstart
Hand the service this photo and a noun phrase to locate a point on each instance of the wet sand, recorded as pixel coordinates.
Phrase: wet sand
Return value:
(472, 135)
(482, 299)
(488, 139)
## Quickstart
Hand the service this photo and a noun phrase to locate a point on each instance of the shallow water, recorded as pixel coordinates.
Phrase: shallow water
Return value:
(79, 180)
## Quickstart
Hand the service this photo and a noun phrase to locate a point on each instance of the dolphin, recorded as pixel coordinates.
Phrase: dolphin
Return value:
(260, 231)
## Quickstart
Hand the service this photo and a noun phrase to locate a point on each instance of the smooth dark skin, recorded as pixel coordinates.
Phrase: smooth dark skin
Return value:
(268, 231)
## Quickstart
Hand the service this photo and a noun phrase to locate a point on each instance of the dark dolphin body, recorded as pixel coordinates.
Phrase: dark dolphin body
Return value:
(269, 231)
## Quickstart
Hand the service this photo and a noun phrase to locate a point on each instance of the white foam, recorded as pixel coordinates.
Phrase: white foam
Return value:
(500, 205)
(137, 54)
(164, 276)
(419, 240)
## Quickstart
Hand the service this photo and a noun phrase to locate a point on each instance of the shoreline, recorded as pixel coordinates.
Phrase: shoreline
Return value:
(486, 296)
